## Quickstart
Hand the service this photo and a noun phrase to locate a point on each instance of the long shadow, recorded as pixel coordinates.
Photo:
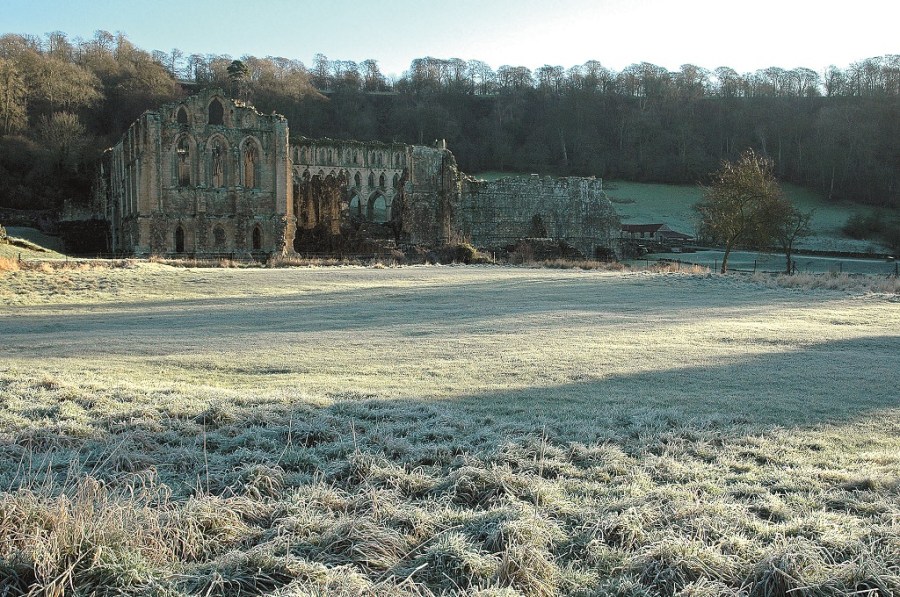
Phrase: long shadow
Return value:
(432, 310)
(828, 382)
(835, 383)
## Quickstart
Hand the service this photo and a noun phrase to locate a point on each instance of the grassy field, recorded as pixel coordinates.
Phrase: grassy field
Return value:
(447, 430)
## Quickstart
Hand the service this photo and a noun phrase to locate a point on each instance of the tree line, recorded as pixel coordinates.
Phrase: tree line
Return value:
(63, 100)
(836, 132)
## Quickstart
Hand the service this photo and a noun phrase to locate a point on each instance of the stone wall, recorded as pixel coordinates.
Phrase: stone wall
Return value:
(497, 213)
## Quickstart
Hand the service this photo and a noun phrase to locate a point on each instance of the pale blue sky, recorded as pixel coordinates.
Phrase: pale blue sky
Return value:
(709, 33)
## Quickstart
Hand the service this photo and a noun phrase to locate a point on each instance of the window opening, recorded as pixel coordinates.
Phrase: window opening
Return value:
(216, 112)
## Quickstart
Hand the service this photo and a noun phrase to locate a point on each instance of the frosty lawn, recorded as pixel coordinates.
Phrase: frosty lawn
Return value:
(446, 429)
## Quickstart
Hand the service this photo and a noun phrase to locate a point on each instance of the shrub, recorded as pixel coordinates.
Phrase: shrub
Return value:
(864, 227)
(459, 253)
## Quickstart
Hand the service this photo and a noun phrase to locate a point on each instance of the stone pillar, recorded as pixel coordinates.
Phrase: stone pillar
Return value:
(284, 199)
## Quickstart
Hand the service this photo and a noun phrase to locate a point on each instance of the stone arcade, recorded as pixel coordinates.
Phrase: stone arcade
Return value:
(212, 175)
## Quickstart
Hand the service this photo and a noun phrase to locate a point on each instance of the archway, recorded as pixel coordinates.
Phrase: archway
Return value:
(218, 163)
(251, 164)
(179, 239)
(184, 162)
(355, 205)
(219, 238)
(257, 238)
(377, 209)
(216, 112)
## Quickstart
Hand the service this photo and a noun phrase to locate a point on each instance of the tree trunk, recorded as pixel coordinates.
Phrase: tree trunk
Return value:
(724, 269)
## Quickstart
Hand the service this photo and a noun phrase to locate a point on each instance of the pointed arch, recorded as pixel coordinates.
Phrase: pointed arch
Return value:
(381, 181)
(250, 163)
(357, 180)
(396, 181)
(217, 158)
(179, 238)
(377, 209)
(183, 161)
(371, 180)
(181, 116)
(256, 238)
(354, 205)
(216, 112)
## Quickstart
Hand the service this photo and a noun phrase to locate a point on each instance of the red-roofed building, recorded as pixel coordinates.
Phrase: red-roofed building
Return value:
(660, 233)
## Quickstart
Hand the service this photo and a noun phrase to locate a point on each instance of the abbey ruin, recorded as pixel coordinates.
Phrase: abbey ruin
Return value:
(212, 175)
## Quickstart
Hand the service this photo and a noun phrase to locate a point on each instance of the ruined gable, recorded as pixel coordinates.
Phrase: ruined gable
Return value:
(207, 174)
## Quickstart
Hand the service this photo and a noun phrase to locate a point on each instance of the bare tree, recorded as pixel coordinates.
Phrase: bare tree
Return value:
(13, 114)
(786, 225)
(734, 208)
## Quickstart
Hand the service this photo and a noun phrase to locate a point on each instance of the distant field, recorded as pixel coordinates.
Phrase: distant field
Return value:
(447, 430)
(639, 203)
(673, 205)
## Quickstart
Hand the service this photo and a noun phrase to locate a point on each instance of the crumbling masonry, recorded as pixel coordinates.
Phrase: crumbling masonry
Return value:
(211, 175)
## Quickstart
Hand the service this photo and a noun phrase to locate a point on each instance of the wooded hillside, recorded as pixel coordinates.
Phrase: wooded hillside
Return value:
(62, 101)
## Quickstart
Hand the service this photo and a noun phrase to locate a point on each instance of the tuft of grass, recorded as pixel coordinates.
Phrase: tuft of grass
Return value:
(83, 535)
(787, 569)
(360, 541)
(453, 561)
(8, 264)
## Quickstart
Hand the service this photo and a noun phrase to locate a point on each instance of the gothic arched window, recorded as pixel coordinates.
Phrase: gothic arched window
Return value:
(217, 162)
(251, 164)
(183, 162)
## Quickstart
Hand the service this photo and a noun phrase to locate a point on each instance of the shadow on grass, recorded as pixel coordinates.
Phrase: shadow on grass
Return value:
(831, 383)
(508, 305)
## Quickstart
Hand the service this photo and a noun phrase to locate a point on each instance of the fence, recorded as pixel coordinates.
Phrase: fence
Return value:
(767, 263)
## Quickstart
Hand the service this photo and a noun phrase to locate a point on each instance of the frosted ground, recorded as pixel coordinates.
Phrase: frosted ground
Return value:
(447, 430)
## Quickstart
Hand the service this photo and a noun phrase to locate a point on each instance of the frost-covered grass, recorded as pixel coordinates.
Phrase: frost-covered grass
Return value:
(447, 430)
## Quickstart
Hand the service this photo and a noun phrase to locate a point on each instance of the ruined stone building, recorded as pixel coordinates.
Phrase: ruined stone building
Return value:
(212, 175)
